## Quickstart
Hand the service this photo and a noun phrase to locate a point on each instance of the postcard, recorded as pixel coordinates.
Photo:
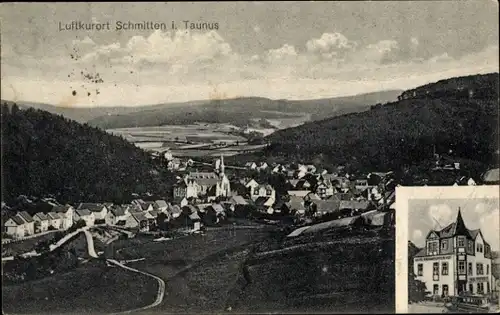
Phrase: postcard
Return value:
(447, 257)
(249, 157)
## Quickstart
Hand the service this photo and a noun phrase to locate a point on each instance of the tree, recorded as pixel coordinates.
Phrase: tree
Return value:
(417, 289)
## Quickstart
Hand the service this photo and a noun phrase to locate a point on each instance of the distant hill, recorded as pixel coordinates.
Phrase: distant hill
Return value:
(237, 111)
(401, 133)
(45, 154)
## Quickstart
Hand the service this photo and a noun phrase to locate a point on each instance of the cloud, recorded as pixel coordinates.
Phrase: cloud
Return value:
(442, 214)
(330, 45)
(481, 208)
(326, 66)
(417, 236)
(489, 225)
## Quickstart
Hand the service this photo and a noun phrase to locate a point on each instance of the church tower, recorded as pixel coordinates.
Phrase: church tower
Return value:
(222, 165)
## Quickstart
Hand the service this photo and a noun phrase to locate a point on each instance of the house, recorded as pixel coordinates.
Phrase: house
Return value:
(265, 190)
(321, 207)
(278, 169)
(175, 211)
(263, 166)
(310, 168)
(20, 225)
(137, 220)
(66, 213)
(324, 189)
(117, 214)
(16, 227)
(303, 184)
(85, 215)
(99, 210)
(160, 205)
(296, 204)
(311, 196)
(298, 193)
(455, 260)
(185, 188)
(213, 214)
(41, 222)
(293, 182)
(55, 220)
(204, 184)
(264, 202)
(194, 221)
(250, 165)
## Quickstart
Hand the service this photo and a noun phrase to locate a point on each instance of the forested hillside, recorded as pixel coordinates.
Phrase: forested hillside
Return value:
(45, 154)
(240, 111)
(402, 133)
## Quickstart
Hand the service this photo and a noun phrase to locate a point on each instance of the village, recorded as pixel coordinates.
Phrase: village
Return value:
(207, 195)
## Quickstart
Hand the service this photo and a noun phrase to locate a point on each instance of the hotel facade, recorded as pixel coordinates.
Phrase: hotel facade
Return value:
(455, 260)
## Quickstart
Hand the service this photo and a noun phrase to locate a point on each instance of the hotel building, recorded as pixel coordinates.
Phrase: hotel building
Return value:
(455, 260)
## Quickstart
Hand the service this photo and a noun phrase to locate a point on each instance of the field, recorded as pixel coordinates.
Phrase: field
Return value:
(87, 289)
(342, 275)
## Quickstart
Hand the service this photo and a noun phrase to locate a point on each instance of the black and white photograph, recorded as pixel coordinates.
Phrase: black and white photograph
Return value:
(247, 157)
(453, 250)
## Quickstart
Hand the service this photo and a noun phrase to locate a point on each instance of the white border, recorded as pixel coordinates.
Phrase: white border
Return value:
(403, 195)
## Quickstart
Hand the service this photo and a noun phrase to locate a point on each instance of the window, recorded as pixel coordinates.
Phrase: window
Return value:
(480, 287)
(470, 246)
(487, 287)
(435, 268)
(256, 191)
(420, 269)
(471, 288)
(436, 289)
(444, 245)
(479, 269)
(479, 248)
(444, 268)
(487, 269)
(470, 269)
(461, 241)
(269, 192)
(432, 248)
(461, 267)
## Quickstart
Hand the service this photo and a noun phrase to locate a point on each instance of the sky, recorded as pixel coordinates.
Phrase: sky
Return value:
(478, 213)
(292, 50)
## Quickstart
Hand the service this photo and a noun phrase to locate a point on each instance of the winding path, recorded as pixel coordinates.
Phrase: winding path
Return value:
(161, 287)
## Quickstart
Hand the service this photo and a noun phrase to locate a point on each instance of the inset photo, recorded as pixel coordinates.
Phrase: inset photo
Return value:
(450, 248)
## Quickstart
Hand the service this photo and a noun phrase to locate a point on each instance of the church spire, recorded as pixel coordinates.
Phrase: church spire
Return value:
(460, 228)
(222, 164)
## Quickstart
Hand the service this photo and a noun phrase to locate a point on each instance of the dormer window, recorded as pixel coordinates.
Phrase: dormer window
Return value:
(432, 248)
(479, 247)
(461, 241)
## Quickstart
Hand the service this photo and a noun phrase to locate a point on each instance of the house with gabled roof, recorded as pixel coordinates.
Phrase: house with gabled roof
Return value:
(322, 207)
(98, 209)
(264, 190)
(85, 215)
(42, 222)
(296, 204)
(137, 220)
(20, 225)
(55, 220)
(116, 214)
(161, 205)
(455, 260)
(298, 193)
(66, 213)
